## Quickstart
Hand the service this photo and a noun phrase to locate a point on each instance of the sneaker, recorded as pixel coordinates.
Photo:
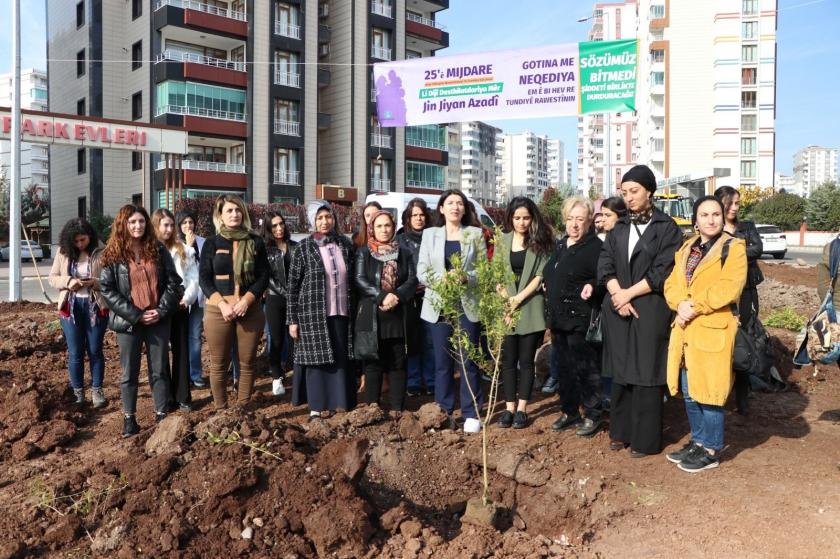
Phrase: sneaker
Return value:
(160, 416)
(277, 387)
(505, 420)
(472, 425)
(589, 427)
(550, 386)
(200, 383)
(698, 460)
(97, 396)
(520, 420)
(413, 391)
(130, 427)
(79, 396)
(681, 454)
(185, 408)
(565, 421)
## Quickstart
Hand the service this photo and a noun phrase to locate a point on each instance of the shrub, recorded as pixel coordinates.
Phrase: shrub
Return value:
(782, 209)
(823, 207)
(786, 318)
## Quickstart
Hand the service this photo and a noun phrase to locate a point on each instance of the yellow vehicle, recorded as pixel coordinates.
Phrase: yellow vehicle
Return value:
(678, 207)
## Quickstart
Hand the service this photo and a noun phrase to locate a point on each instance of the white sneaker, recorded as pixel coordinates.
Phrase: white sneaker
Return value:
(472, 425)
(277, 387)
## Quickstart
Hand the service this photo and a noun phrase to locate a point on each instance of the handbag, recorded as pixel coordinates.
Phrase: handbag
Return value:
(745, 355)
(819, 340)
(594, 334)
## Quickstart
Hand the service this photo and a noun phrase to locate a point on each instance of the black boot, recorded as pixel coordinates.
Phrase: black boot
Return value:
(130, 427)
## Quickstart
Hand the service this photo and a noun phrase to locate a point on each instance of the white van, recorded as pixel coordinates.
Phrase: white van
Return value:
(395, 202)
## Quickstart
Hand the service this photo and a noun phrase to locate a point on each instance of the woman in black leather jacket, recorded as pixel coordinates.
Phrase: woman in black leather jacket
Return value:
(748, 305)
(142, 289)
(385, 280)
(279, 248)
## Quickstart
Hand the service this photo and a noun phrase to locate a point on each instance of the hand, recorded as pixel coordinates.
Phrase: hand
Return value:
(458, 275)
(293, 331)
(75, 284)
(150, 317)
(183, 304)
(189, 238)
(501, 290)
(621, 298)
(685, 310)
(628, 310)
(228, 313)
(586, 292)
(514, 302)
(680, 322)
(390, 301)
(240, 307)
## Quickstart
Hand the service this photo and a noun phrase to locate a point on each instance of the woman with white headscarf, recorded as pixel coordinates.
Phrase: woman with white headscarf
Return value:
(319, 306)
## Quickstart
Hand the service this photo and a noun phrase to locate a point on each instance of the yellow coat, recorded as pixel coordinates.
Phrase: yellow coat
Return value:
(708, 340)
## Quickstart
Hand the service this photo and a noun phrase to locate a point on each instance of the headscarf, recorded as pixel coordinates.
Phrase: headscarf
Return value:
(312, 210)
(244, 260)
(644, 176)
(386, 252)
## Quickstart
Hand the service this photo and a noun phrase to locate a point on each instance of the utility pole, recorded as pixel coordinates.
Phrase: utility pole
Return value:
(14, 186)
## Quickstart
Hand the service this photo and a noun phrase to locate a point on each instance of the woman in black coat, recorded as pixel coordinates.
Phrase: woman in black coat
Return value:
(636, 258)
(748, 305)
(385, 281)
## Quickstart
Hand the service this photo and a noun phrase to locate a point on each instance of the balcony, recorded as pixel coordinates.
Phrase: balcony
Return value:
(286, 177)
(289, 79)
(212, 166)
(286, 29)
(201, 120)
(286, 127)
(380, 8)
(380, 185)
(200, 112)
(380, 140)
(424, 33)
(175, 65)
(192, 13)
(424, 184)
(209, 174)
(382, 53)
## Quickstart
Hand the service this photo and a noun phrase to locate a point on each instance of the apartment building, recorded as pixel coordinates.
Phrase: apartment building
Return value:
(812, 166)
(34, 158)
(524, 166)
(786, 183)
(556, 163)
(473, 160)
(276, 96)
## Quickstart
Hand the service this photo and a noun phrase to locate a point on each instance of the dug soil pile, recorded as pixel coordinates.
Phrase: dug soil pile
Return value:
(262, 482)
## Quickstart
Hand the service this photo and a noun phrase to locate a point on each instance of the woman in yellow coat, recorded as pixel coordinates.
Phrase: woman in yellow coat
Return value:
(702, 290)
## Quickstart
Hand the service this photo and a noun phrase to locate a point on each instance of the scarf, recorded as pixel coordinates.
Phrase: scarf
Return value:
(385, 252)
(244, 258)
(642, 217)
(143, 278)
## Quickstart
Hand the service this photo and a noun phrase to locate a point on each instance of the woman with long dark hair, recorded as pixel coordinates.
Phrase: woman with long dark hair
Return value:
(748, 304)
(612, 209)
(280, 246)
(454, 236)
(525, 248)
(233, 275)
(636, 258)
(81, 309)
(142, 289)
(163, 223)
(319, 306)
(385, 281)
(360, 237)
(187, 226)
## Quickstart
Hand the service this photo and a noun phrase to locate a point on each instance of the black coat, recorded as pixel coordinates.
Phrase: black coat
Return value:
(278, 269)
(115, 285)
(414, 343)
(568, 269)
(367, 275)
(746, 230)
(636, 349)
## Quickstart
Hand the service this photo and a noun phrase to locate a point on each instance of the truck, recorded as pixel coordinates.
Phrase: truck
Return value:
(679, 207)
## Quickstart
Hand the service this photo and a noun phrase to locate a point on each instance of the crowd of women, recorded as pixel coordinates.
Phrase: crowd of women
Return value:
(635, 312)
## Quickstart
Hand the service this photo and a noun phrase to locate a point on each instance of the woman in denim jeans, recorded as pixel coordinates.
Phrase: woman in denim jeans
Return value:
(187, 225)
(82, 313)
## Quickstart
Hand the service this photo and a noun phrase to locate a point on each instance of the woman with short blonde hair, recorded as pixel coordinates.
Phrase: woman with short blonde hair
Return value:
(572, 202)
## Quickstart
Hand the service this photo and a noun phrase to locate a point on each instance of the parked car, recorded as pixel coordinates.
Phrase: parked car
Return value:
(774, 240)
(28, 249)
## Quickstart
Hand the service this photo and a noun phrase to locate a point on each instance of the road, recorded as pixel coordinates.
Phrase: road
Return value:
(31, 289)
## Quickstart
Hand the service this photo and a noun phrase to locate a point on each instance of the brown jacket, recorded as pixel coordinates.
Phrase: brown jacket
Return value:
(60, 277)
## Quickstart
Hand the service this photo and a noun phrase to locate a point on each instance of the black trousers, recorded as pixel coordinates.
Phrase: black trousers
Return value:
(392, 361)
(747, 308)
(156, 339)
(179, 370)
(275, 313)
(580, 377)
(518, 381)
(636, 416)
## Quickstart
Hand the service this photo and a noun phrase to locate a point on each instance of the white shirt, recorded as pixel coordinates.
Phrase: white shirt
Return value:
(189, 274)
(634, 237)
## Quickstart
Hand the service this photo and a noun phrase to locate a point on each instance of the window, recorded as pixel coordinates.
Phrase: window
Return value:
(201, 99)
(749, 29)
(657, 56)
(748, 169)
(381, 44)
(81, 109)
(136, 160)
(81, 207)
(656, 11)
(748, 99)
(286, 166)
(286, 20)
(427, 136)
(137, 106)
(749, 7)
(80, 63)
(424, 175)
(137, 55)
(136, 9)
(749, 53)
(657, 78)
(209, 154)
(748, 123)
(409, 54)
(285, 109)
(748, 76)
(748, 146)
(81, 162)
(80, 14)
(286, 70)
(137, 199)
(380, 174)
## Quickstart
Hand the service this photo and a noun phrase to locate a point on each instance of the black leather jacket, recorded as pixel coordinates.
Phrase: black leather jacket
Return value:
(277, 269)
(746, 230)
(115, 287)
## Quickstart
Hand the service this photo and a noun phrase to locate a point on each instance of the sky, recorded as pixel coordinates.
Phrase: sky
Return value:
(808, 82)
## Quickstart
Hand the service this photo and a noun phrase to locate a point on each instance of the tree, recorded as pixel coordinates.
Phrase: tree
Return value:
(823, 207)
(34, 205)
(551, 206)
(101, 223)
(750, 196)
(782, 209)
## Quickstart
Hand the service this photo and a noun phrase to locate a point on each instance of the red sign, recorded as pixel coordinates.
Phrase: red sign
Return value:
(80, 132)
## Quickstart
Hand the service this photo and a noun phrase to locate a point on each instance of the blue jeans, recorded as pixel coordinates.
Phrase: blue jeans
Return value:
(445, 370)
(195, 326)
(421, 366)
(706, 421)
(82, 337)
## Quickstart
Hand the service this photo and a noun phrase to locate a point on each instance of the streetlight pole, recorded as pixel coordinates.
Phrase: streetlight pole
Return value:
(14, 186)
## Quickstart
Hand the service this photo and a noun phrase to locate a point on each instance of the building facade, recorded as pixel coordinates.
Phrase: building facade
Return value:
(556, 163)
(812, 166)
(34, 158)
(786, 183)
(277, 97)
(476, 160)
(524, 166)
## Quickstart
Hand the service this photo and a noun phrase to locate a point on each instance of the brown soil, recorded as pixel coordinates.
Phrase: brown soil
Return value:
(264, 483)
